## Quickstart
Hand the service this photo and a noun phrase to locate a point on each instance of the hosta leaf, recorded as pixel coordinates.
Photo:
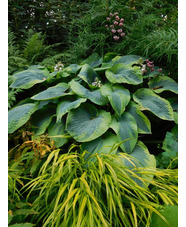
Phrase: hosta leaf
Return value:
(142, 121)
(87, 74)
(86, 123)
(121, 73)
(101, 145)
(42, 118)
(118, 96)
(19, 115)
(94, 96)
(163, 83)
(52, 92)
(148, 100)
(126, 128)
(129, 59)
(58, 133)
(28, 78)
(142, 158)
(73, 68)
(170, 212)
(66, 105)
(93, 60)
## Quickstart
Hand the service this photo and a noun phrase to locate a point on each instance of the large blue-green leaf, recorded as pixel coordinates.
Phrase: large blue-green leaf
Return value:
(86, 123)
(93, 60)
(170, 213)
(129, 59)
(28, 78)
(58, 133)
(94, 96)
(87, 74)
(126, 128)
(142, 158)
(52, 92)
(118, 96)
(66, 105)
(19, 115)
(102, 145)
(121, 73)
(42, 118)
(73, 68)
(143, 123)
(148, 100)
(163, 83)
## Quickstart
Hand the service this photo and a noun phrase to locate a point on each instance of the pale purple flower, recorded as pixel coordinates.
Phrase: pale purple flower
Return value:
(108, 18)
(116, 13)
(120, 24)
(117, 17)
(111, 26)
(116, 37)
(122, 20)
(152, 69)
(106, 26)
(115, 23)
(119, 30)
(113, 31)
(111, 15)
(122, 34)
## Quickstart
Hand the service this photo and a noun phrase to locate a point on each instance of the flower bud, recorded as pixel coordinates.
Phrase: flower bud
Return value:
(111, 26)
(147, 60)
(117, 17)
(116, 37)
(119, 30)
(116, 13)
(152, 69)
(122, 20)
(106, 26)
(120, 24)
(111, 15)
(108, 18)
(115, 23)
(122, 34)
(113, 31)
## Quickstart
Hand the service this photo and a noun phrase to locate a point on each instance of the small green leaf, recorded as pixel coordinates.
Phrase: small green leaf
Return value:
(126, 128)
(19, 115)
(118, 96)
(52, 92)
(163, 83)
(143, 123)
(148, 100)
(86, 123)
(121, 73)
(28, 78)
(66, 105)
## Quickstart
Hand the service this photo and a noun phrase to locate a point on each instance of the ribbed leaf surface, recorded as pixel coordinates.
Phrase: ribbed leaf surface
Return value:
(28, 78)
(93, 96)
(160, 84)
(126, 128)
(52, 92)
(148, 100)
(143, 123)
(87, 74)
(93, 60)
(118, 96)
(19, 115)
(86, 123)
(121, 73)
(66, 105)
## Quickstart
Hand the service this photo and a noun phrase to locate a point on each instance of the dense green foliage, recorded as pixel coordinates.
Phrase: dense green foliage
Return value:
(90, 120)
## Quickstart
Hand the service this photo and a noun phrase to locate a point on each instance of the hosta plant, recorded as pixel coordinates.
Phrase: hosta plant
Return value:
(96, 104)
